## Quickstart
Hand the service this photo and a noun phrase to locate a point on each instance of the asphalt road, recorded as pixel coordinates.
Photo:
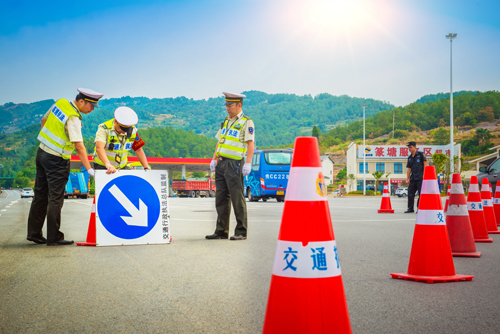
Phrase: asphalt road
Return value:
(199, 286)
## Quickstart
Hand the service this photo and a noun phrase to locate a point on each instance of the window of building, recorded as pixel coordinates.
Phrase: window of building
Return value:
(398, 168)
(381, 167)
(361, 168)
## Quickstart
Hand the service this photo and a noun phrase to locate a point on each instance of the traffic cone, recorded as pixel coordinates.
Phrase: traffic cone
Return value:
(489, 213)
(91, 240)
(307, 292)
(430, 259)
(476, 215)
(447, 199)
(385, 206)
(496, 204)
(458, 222)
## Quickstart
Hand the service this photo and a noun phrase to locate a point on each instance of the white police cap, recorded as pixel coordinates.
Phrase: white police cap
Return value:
(126, 116)
(90, 95)
(233, 97)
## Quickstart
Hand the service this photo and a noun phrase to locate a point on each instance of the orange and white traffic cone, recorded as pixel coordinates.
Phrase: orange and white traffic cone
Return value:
(447, 199)
(476, 215)
(458, 222)
(307, 292)
(496, 203)
(430, 259)
(489, 213)
(91, 238)
(385, 206)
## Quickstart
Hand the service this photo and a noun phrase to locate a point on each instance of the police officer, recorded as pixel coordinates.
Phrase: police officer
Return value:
(236, 137)
(61, 134)
(115, 138)
(414, 174)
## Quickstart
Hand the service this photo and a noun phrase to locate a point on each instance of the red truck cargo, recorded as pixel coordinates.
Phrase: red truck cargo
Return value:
(194, 187)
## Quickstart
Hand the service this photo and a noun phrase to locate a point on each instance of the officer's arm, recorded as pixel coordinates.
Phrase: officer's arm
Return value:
(425, 163)
(99, 148)
(142, 157)
(82, 153)
(250, 149)
(215, 153)
(408, 171)
(43, 122)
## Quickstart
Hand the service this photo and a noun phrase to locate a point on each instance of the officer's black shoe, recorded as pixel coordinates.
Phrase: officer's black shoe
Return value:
(409, 211)
(216, 236)
(238, 237)
(37, 240)
(60, 243)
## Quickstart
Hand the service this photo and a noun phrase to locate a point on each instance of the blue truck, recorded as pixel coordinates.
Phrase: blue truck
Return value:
(268, 177)
(78, 184)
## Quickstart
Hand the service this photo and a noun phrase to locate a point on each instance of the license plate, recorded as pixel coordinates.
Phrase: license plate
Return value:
(280, 193)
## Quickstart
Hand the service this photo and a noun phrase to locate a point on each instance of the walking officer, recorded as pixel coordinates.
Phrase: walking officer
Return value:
(236, 137)
(61, 134)
(115, 138)
(414, 174)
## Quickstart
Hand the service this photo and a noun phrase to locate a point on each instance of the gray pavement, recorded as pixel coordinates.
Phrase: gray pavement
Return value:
(199, 286)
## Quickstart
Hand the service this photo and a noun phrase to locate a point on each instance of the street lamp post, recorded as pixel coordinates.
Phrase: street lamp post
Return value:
(451, 36)
(364, 152)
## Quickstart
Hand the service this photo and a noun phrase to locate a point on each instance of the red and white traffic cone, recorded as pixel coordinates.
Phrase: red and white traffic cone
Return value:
(496, 203)
(385, 206)
(458, 222)
(91, 237)
(476, 215)
(307, 292)
(447, 199)
(489, 213)
(430, 259)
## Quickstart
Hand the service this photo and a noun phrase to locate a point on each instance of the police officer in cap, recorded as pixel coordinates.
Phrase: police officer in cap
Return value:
(115, 138)
(61, 134)
(414, 174)
(236, 137)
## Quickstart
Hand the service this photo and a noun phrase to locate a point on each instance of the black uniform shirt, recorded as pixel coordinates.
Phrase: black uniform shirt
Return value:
(416, 164)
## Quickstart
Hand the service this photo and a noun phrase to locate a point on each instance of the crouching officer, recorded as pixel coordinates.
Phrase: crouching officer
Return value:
(61, 134)
(236, 137)
(414, 174)
(115, 138)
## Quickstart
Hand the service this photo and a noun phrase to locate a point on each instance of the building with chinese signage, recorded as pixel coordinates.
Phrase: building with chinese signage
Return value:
(389, 159)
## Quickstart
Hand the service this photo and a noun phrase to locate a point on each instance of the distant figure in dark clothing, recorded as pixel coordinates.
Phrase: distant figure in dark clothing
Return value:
(414, 174)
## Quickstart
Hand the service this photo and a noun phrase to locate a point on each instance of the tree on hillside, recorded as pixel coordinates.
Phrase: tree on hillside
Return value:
(441, 136)
(483, 135)
(316, 132)
(486, 115)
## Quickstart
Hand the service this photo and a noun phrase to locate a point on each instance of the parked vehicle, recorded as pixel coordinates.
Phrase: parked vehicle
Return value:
(491, 173)
(78, 185)
(27, 192)
(268, 177)
(194, 187)
(402, 192)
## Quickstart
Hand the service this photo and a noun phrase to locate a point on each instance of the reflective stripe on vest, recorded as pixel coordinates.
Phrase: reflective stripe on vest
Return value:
(230, 145)
(53, 134)
(118, 155)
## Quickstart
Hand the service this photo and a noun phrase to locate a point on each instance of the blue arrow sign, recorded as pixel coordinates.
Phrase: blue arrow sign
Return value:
(128, 207)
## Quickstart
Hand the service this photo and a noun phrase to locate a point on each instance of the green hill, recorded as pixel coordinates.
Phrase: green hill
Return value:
(439, 96)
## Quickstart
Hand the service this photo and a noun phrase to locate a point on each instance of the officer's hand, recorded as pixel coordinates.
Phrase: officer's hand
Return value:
(110, 169)
(246, 169)
(91, 172)
(408, 181)
(212, 165)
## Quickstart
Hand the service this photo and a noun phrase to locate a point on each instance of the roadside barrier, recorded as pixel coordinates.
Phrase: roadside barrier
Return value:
(476, 214)
(307, 292)
(489, 213)
(385, 206)
(431, 260)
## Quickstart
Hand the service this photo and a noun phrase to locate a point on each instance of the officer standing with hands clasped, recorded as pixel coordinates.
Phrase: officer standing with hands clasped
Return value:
(236, 137)
(115, 138)
(61, 134)
(414, 174)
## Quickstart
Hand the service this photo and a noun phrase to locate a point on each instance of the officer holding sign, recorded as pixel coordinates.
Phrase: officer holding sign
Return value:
(115, 138)
(236, 138)
(415, 174)
(61, 134)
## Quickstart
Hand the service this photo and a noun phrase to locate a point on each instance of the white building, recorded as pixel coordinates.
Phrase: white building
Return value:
(327, 165)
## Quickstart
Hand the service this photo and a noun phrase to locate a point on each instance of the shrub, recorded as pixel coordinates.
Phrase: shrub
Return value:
(360, 192)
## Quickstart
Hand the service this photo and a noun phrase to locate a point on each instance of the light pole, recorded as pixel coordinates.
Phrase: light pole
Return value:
(393, 112)
(364, 152)
(451, 36)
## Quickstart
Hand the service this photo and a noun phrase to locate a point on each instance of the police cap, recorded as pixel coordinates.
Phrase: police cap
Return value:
(126, 118)
(90, 96)
(233, 97)
(411, 143)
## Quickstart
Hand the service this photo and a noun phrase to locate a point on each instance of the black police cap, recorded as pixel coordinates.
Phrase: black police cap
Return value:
(411, 143)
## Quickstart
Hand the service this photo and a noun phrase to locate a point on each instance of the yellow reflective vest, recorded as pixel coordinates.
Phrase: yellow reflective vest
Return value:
(53, 133)
(230, 145)
(116, 150)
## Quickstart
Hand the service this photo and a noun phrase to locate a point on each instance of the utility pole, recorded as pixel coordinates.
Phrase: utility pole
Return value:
(364, 152)
(451, 36)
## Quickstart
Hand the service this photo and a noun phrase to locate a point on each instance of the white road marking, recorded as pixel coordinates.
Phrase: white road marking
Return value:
(4, 210)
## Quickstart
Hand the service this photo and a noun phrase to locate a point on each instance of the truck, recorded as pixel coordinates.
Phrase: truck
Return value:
(78, 184)
(268, 176)
(194, 187)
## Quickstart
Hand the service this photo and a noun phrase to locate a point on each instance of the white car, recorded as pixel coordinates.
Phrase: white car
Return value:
(402, 192)
(27, 192)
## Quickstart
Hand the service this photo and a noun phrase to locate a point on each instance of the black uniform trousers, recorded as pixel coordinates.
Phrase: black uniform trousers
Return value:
(412, 189)
(229, 189)
(51, 178)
